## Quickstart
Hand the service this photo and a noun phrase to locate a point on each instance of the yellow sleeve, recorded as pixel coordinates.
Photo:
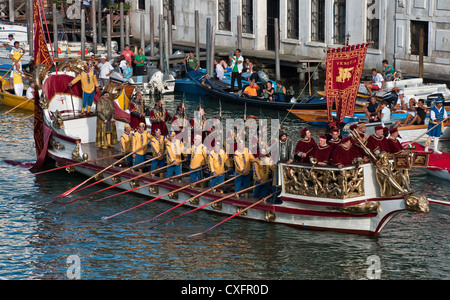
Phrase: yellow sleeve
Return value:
(256, 170)
(76, 79)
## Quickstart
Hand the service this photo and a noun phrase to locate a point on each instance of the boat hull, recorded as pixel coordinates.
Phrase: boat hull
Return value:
(222, 94)
(11, 100)
(318, 198)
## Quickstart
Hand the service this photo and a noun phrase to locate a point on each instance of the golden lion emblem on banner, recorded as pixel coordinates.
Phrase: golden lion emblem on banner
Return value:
(344, 74)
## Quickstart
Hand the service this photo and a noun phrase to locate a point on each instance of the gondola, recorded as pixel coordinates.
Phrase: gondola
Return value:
(218, 89)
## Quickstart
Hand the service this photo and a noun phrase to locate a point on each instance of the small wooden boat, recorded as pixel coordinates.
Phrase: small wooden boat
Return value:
(9, 99)
(221, 90)
(320, 117)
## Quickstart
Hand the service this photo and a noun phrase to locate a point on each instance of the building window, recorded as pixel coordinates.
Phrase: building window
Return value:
(293, 20)
(318, 20)
(168, 5)
(339, 21)
(225, 15)
(141, 4)
(373, 33)
(247, 16)
(373, 24)
(416, 28)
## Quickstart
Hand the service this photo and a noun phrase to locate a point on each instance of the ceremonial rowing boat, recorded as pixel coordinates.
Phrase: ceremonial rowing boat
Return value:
(345, 200)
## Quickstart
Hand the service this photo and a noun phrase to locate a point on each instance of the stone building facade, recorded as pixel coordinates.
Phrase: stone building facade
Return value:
(308, 27)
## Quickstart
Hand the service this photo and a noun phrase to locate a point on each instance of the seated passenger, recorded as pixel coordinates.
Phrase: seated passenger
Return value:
(385, 113)
(251, 90)
(388, 72)
(377, 82)
(421, 114)
(269, 91)
(410, 113)
(402, 102)
(371, 109)
(280, 92)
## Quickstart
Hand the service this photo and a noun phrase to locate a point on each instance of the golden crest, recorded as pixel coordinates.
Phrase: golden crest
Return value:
(239, 209)
(195, 201)
(217, 206)
(173, 196)
(153, 189)
(98, 176)
(134, 184)
(269, 216)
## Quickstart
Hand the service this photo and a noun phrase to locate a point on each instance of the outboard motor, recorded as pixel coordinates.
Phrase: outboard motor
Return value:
(263, 77)
(390, 97)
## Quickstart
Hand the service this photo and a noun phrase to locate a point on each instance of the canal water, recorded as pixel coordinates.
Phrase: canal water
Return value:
(41, 241)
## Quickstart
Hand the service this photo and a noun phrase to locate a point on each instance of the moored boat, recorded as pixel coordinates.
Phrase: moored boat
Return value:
(221, 90)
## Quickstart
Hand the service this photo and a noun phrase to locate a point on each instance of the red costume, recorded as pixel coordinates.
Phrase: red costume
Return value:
(344, 156)
(158, 117)
(304, 146)
(375, 143)
(333, 144)
(394, 146)
(137, 114)
(322, 154)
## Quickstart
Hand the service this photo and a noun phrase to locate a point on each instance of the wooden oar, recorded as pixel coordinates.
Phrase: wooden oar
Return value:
(205, 205)
(148, 184)
(68, 192)
(114, 185)
(184, 202)
(72, 165)
(441, 123)
(157, 198)
(115, 174)
(17, 106)
(236, 214)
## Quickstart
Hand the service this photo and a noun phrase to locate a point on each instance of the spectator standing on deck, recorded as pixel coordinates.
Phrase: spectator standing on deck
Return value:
(236, 69)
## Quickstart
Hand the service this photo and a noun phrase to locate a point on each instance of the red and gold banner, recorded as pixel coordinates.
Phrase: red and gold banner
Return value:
(41, 54)
(343, 76)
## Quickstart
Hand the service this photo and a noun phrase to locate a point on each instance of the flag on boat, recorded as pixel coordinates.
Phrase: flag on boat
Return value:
(41, 54)
(41, 57)
(343, 75)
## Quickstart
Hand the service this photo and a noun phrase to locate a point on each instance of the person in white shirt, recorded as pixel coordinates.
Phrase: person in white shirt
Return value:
(402, 102)
(236, 69)
(377, 82)
(220, 72)
(9, 44)
(17, 79)
(385, 113)
(105, 71)
(30, 90)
